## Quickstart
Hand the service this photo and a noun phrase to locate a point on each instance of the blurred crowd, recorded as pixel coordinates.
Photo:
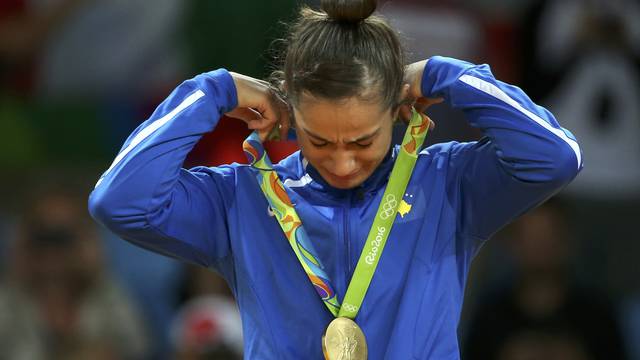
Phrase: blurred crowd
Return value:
(77, 76)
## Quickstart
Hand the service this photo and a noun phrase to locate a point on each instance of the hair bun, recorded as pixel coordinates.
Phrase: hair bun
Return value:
(348, 10)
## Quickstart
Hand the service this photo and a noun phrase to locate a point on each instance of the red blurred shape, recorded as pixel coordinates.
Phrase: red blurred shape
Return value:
(224, 146)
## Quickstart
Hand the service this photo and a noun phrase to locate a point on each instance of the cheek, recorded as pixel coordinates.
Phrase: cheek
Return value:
(382, 146)
(371, 158)
(310, 152)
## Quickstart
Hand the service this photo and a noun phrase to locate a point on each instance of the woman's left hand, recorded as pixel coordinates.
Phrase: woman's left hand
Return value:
(413, 92)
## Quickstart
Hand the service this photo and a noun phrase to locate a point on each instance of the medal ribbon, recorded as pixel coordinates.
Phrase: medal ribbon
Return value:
(291, 224)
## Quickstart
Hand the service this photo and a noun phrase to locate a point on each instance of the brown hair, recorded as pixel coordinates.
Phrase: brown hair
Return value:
(341, 52)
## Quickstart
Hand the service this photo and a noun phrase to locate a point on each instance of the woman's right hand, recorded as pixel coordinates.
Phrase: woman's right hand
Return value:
(260, 107)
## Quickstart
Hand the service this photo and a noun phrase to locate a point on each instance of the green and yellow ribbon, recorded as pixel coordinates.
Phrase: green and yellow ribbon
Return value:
(291, 224)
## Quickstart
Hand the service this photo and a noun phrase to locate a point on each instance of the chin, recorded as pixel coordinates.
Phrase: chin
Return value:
(345, 183)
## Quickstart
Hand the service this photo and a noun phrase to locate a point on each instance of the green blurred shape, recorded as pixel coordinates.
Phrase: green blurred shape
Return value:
(19, 141)
(234, 35)
(70, 133)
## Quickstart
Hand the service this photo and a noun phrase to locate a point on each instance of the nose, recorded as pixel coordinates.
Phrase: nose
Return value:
(343, 163)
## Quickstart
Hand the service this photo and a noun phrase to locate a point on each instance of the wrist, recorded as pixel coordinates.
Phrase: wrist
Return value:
(237, 83)
(415, 72)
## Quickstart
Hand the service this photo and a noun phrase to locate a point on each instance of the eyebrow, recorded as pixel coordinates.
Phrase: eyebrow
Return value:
(361, 138)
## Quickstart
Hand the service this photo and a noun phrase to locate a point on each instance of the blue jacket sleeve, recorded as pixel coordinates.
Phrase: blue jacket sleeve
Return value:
(524, 158)
(146, 197)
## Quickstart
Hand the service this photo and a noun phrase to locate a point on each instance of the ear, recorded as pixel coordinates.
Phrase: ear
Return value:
(282, 87)
(403, 109)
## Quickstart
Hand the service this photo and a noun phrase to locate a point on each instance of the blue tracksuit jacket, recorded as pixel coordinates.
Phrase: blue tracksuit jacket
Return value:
(460, 194)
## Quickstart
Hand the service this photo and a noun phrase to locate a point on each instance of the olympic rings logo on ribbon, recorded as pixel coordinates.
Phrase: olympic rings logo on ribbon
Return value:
(349, 307)
(389, 207)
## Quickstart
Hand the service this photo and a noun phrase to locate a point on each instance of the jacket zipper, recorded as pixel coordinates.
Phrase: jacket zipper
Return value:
(347, 241)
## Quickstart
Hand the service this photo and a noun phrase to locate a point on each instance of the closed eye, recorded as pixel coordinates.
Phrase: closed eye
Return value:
(322, 144)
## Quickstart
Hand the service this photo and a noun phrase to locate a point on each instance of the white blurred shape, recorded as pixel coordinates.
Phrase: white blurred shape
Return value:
(111, 46)
(434, 31)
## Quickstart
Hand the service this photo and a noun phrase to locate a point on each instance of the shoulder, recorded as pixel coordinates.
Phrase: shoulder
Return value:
(451, 150)
(291, 167)
(448, 160)
(205, 174)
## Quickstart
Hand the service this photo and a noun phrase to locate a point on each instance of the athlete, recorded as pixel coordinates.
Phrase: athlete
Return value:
(344, 83)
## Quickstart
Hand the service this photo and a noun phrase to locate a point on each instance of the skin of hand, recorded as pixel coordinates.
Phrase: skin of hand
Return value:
(346, 139)
(414, 98)
(260, 107)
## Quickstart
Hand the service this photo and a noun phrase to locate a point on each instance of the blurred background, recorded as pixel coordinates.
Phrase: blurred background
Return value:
(77, 76)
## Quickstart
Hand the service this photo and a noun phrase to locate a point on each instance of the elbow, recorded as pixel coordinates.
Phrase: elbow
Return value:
(102, 208)
(99, 207)
(114, 212)
(566, 166)
(566, 156)
(562, 166)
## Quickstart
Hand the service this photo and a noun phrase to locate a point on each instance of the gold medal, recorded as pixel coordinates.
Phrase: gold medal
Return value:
(344, 340)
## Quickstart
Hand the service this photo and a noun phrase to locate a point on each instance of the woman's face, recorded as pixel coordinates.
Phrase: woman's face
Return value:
(344, 140)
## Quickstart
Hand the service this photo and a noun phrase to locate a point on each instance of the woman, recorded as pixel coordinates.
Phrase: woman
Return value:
(345, 82)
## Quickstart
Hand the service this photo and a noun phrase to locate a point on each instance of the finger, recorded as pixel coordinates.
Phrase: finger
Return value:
(434, 101)
(285, 124)
(271, 113)
(255, 120)
(285, 120)
(405, 113)
(245, 114)
(263, 135)
(259, 124)
(432, 124)
(420, 107)
(281, 116)
(424, 102)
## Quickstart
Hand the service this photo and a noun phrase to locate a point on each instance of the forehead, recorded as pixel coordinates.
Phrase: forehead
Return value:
(340, 119)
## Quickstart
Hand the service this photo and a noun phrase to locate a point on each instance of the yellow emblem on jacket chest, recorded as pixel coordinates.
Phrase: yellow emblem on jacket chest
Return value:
(404, 208)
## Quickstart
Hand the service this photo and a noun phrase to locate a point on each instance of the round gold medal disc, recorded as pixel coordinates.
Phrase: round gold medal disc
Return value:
(344, 340)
